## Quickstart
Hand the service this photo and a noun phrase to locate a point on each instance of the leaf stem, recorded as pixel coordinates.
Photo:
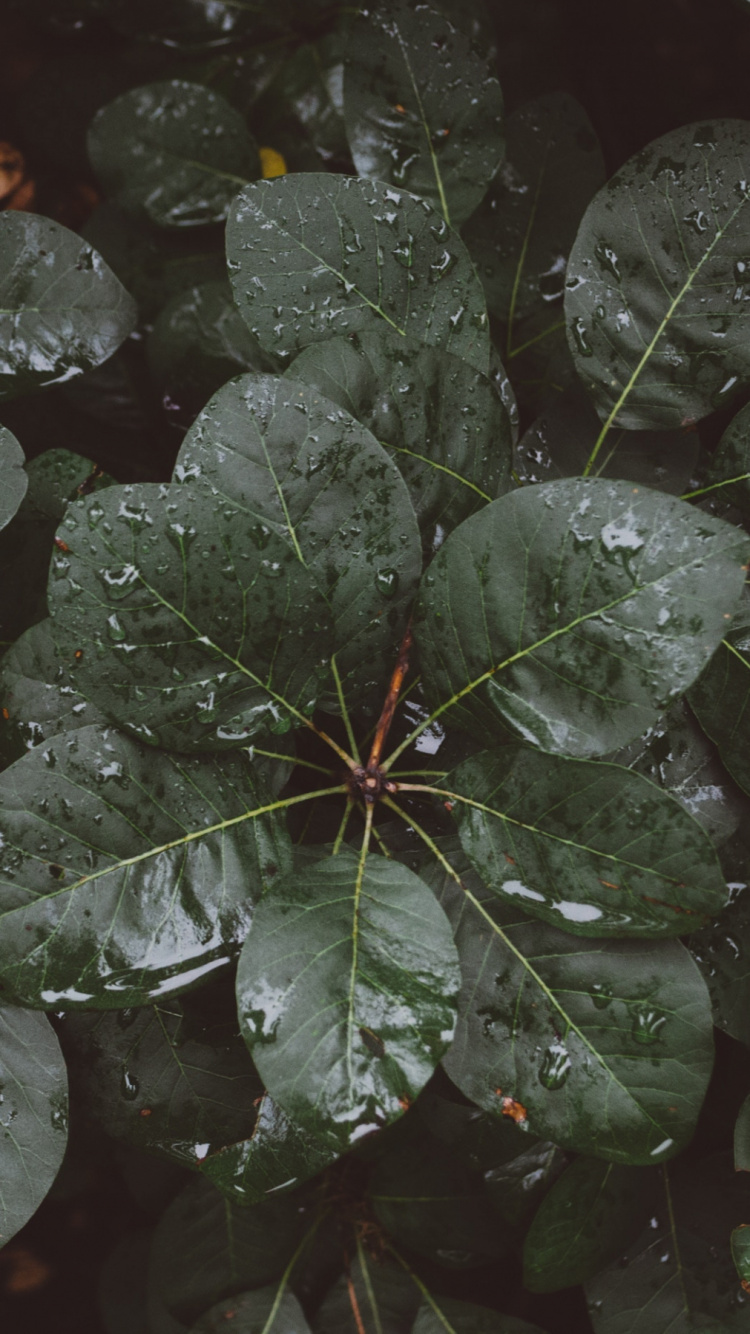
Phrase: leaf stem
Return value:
(292, 759)
(365, 1268)
(425, 1291)
(284, 1280)
(344, 710)
(342, 827)
(704, 490)
(369, 812)
(391, 700)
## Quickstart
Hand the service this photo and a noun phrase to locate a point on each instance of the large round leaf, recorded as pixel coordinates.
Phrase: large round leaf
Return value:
(187, 621)
(721, 699)
(62, 310)
(292, 461)
(659, 275)
(592, 848)
(442, 420)
(126, 874)
(174, 152)
(316, 254)
(604, 1047)
(33, 1115)
(346, 992)
(12, 474)
(423, 108)
(575, 612)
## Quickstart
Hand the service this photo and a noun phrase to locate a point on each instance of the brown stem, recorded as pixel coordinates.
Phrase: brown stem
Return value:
(391, 700)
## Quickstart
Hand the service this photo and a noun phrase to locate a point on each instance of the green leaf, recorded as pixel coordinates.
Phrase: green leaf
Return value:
(259, 1312)
(191, 25)
(576, 612)
(742, 1138)
(521, 235)
(294, 463)
(167, 1077)
(316, 254)
(186, 621)
(205, 1248)
(423, 108)
(606, 1047)
(14, 477)
(37, 701)
(127, 874)
(441, 420)
(173, 152)
(592, 848)
(62, 310)
(720, 949)
(729, 473)
(277, 1157)
(302, 111)
(679, 1274)
(516, 1187)
(445, 1315)
(386, 1300)
(740, 1243)
(33, 1115)
(658, 276)
(592, 1213)
(346, 991)
(721, 697)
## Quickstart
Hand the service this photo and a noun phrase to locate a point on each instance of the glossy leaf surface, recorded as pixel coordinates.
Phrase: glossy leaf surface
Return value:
(423, 108)
(37, 697)
(277, 1157)
(191, 25)
(33, 1115)
(126, 874)
(13, 475)
(592, 848)
(575, 611)
(346, 992)
(730, 465)
(658, 277)
(313, 255)
(259, 1312)
(721, 949)
(174, 152)
(441, 421)
(62, 310)
(163, 652)
(720, 699)
(295, 464)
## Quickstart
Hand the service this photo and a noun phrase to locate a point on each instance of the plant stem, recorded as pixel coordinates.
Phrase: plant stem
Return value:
(344, 710)
(391, 700)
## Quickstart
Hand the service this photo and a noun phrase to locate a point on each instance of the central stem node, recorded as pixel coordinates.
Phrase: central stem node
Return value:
(370, 783)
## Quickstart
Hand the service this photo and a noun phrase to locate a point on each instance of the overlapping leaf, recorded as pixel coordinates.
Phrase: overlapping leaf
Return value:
(263, 1310)
(386, 1298)
(720, 699)
(126, 874)
(37, 699)
(277, 1157)
(575, 612)
(191, 25)
(14, 478)
(445, 1313)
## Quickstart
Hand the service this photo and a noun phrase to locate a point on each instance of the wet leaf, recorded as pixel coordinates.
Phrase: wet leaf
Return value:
(259, 1312)
(658, 276)
(720, 698)
(293, 463)
(346, 991)
(607, 1045)
(315, 254)
(302, 111)
(589, 1217)
(441, 421)
(127, 874)
(14, 478)
(173, 152)
(721, 948)
(277, 1157)
(423, 108)
(592, 848)
(37, 701)
(520, 237)
(191, 25)
(62, 310)
(729, 474)
(575, 611)
(152, 641)
(33, 1115)
(467, 1318)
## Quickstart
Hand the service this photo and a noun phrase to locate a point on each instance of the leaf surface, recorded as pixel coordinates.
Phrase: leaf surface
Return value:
(14, 477)
(37, 698)
(277, 1157)
(259, 1312)
(720, 698)
(455, 1317)
(730, 465)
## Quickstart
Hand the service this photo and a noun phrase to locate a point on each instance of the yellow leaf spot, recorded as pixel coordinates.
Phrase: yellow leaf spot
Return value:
(271, 163)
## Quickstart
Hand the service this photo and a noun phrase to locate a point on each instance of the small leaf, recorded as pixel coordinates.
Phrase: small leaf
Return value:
(127, 874)
(467, 1318)
(720, 698)
(173, 152)
(277, 1157)
(62, 310)
(575, 612)
(423, 108)
(658, 270)
(589, 1217)
(13, 474)
(346, 991)
(33, 1115)
(252, 1312)
(315, 254)
(592, 848)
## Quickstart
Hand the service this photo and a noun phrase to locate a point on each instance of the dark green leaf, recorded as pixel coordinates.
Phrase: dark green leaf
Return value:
(740, 1242)
(33, 1115)
(37, 700)
(386, 1299)
(605, 1047)
(346, 991)
(679, 1274)
(474, 1137)
(521, 235)
(174, 152)
(729, 474)
(742, 1138)
(721, 697)
(721, 949)
(658, 276)
(193, 24)
(302, 112)
(316, 254)
(62, 310)
(515, 1187)
(198, 627)
(279, 1156)
(593, 848)
(251, 1312)
(294, 463)
(442, 421)
(13, 474)
(423, 108)
(125, 873)
(589, 1217)
(448, 1316)
(576, 612)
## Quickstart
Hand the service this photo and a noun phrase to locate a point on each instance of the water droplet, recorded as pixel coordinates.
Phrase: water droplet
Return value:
(601, 995)
(608, 259)
(114, 628)
(129, 1086)
(647, 1025)
(555, 1066)
(579, 333)
(442, 266)
(272, 569)
(386, 582)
